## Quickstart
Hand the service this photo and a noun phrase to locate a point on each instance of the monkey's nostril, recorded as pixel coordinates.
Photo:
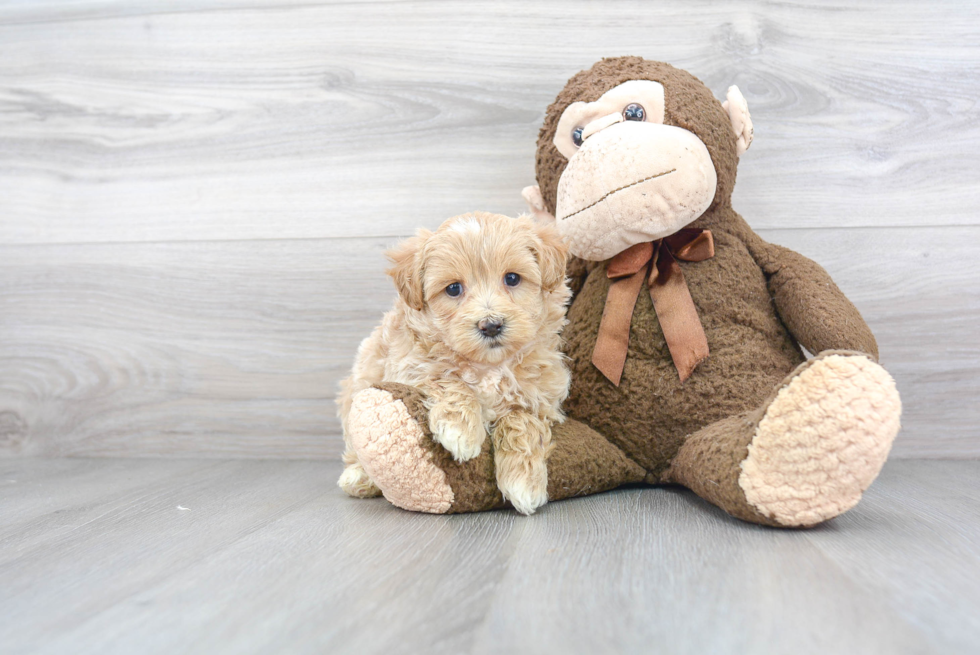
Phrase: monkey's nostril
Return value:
(489, 327)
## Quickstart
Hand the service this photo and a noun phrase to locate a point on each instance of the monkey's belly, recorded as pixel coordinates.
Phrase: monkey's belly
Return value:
(651, 412)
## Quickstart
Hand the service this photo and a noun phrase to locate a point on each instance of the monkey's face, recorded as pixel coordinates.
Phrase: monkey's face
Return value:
(629, 177)
(634, 150)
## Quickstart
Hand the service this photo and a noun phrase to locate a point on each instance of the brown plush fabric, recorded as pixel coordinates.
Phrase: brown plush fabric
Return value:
(757, 302)
(473, 483)
(708, 464)
(584, 462)
(581, 463)
(649, 415)
(742, 306)
(811, 306)
(576, 271)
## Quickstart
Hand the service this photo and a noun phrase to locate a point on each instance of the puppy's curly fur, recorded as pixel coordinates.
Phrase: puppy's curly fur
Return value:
(484, 349)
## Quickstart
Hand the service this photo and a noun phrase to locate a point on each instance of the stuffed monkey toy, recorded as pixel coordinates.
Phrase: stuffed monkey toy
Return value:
(684, 331)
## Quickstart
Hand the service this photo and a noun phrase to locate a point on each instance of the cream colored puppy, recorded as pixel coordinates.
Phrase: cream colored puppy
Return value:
(476, 328)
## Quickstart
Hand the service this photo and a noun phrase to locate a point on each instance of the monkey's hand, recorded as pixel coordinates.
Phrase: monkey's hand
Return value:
(535, 205)
(814, 309)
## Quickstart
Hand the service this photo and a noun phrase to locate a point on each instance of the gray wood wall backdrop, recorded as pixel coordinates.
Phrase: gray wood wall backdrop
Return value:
(195, 196)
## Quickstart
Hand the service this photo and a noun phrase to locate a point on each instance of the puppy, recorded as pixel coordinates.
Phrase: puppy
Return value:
(476, 327)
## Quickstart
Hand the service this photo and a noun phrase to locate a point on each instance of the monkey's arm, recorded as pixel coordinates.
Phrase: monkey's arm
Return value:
(814, 309)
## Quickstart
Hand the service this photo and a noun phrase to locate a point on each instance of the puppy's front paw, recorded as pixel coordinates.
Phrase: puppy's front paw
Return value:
(462, 441)
(522, 480)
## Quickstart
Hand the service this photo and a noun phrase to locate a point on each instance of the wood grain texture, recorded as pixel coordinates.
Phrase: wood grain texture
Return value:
(236, 348)
(272, 557)
(227, 348)
(194, 198)
(132, 122)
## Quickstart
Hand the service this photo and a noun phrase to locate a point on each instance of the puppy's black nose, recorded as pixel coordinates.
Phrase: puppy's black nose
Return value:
(489, 327)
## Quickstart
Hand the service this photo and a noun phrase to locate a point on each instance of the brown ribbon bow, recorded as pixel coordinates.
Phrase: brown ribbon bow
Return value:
(671, 299)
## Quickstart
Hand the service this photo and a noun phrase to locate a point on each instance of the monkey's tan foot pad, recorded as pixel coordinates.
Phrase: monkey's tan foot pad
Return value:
(822, 440)
(390, 446)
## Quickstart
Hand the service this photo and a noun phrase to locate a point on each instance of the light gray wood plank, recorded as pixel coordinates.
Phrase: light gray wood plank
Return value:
(118, 541)
(650, 570)
(236, 348)
(272, 557)
(256, 121)
(20, 12)
(33, 489)
(915, 542)
(232, 349)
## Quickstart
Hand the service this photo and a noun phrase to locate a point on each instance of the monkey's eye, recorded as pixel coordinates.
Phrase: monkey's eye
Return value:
(634, 112)
(454, 289)
(577, 137)
(512, 279)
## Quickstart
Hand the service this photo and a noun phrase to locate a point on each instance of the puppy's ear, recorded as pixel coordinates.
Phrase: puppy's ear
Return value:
(406, 269)
(552, 254)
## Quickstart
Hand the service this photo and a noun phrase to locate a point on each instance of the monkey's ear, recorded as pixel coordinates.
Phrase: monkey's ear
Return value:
(535, 203)
(552, 254)
(738, 113)
(407, 267)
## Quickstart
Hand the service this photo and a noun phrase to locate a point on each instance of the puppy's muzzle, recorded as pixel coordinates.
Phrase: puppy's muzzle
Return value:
(490, 327)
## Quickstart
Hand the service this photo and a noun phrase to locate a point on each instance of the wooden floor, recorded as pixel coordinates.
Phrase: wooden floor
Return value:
(220, 556)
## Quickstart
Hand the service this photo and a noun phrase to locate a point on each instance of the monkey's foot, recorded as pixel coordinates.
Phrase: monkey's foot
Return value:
(390, 445)
(822, 440)
(388, 429)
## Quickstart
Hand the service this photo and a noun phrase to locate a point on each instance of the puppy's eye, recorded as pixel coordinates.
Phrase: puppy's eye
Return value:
(512, 279)
(454, 289)
(634, 112)
(577, 137)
